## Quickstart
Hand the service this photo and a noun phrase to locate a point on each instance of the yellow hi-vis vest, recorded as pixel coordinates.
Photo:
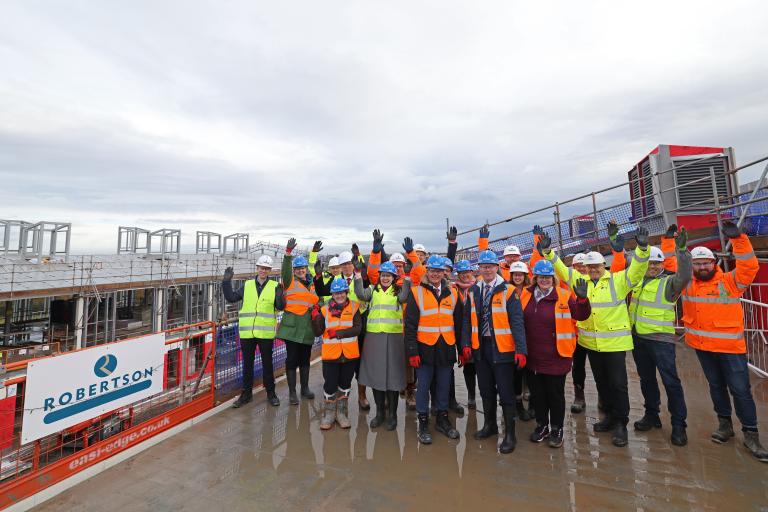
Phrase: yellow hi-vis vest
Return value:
(649, 311)
(257, 317)
(384, 312)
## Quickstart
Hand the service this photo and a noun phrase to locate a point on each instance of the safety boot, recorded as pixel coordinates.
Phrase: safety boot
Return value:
(243, 399)
(510, 441)
(647, 422)
(342, 409)
(579, 403)
(290, 378)
(678, 437)
(392, 397)
(752, 442)
(379, 398)
(724, 430)
(490, 428)
(620, 437)
(329, 412)
(522, 413)
(443, 425)
(305, 391)
(605, 425)
(423, 433)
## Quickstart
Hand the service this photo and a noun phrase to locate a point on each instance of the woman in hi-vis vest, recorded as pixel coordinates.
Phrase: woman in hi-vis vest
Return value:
(339, 323)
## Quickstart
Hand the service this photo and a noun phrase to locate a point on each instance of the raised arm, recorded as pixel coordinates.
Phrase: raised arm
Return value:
(747, 266)
(230, 295)
(363, 294)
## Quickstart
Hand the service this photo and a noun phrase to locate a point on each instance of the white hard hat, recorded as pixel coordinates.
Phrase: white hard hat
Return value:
(420, 248)
(518, 266)
(579, 259)
(656, 254)
(702, 253)
(594, 258)
(264, 261)
(334, 262)
(345, 257)
(512, 249)
(397, 257)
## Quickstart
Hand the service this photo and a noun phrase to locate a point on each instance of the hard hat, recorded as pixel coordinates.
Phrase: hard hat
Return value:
(435, 261)
(463, 266)
(518, 266)
(420, 248)
(339, 285)
(702, 253)
(579, 259)
(447, 262)
(543, 268)
(656, 254)
(333, 262)
(300, 261)
(488, 257)
(594, 258)
(345, 257)
(264, 261)
(389, 267)
(397, 257)
(512, 249)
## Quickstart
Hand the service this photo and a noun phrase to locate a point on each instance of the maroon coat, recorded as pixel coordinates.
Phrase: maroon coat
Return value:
(541, 336)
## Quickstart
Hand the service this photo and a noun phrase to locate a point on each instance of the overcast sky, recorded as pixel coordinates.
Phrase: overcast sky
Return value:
(326, 119)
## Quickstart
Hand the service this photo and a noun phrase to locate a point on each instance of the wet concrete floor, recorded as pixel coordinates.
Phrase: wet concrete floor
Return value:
(264, 458)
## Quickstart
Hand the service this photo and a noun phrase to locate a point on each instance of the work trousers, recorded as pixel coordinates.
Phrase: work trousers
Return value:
(610, 372)
(548, 395)
(579, 372)
(248, 347)
(297, 355)
(451, 391)
(493, 377)
(649, 356)
(424, 375)
(729, 372)
(470, 378)
(338, 375)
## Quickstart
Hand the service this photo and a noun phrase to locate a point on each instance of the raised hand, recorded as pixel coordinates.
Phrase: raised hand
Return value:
(613, 230)
(451, 234)
(485, 232)
(318, 246)
(641, 237)
(730, 229)
(580, 288)
(681, 240)
(408, 244)
(290, 246)
(229, 273)
(318, 268)
(537, 230)
(355, 250)
(671, 230)
(544, 244)
(378, 238)
(617, 244)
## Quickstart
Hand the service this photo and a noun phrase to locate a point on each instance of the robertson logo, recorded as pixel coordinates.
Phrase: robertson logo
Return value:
(105, 365)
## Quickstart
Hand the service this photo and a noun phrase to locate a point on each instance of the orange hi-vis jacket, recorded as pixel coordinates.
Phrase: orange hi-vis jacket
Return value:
(565, 326)
(299, 298)
(334, 348)
(502, 331)
(712, 313)
(374, 262)
(435, 319)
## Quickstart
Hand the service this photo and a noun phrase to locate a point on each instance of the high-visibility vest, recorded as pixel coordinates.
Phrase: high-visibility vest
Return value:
(327, 278)
(649, 310)
(713, 317)
(435, 319)
(565, 327)
(608, 328)
(351, 293)
(333, 348)
(502, 331)
(384, 312)
(257, 317)
(299, 298)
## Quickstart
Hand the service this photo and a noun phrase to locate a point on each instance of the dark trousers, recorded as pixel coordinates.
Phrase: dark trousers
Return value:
(338, 375)
(548, 395)
(360, 342)
(297, 355)
(424, 375)
(470, 379)
(729, 372)
(610, 372)
(451, 391)
(579, 372)
(650, 356)
(493, 377)
(248, 347)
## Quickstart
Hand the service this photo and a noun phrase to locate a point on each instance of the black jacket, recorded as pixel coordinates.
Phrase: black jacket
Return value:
(231, 295)
(441, 353)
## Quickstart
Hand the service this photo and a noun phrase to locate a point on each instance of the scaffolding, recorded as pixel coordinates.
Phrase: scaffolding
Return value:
(132, 240)
(207, 242)
(236, 244)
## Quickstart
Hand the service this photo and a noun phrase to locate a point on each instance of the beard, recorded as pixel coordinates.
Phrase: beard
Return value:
(705, 275)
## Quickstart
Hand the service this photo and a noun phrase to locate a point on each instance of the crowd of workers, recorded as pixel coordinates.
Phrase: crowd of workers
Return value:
(400, 323)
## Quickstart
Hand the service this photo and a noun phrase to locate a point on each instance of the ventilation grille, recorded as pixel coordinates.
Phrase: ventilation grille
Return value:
(698, 196)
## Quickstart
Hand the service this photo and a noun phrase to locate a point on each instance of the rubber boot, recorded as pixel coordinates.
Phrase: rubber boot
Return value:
(362, 401)
(342, 408)
(379, 397)
(490, 428)
(510, 441)
(522, 413)
(443, 425)
(329, 412)
(392, 409)
(752, 442)
(724, 430)
(578, 405)
(305, 391)
(290, 378)
(423, 433)
(243, 399)
(647, 422)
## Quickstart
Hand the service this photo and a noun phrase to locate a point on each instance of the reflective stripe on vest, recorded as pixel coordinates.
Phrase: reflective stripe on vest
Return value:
(334, 348)
(608, 328)
(257, 318)
(502, 332)
(298, 298)
(649, 310)
(713, 317)
(435, 319)
(565, 329)
(384, 312)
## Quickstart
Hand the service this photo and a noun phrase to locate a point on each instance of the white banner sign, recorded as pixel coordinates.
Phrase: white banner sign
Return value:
(65, 390)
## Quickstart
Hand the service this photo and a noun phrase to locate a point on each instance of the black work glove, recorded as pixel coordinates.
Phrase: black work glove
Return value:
(291, 245)
(378, 238)
(408, 244)
(485, 232)
(318, 268)
(681, 240)
(730, 229)
(318, 246)
(545, 242)
(451, 234)
(613, 230)
(229, 273)
(580, 288)
(641, 237)
(537, 230)
(617, 244)
(408, 266)
(671, 230)
(359, 266)
(355, 250)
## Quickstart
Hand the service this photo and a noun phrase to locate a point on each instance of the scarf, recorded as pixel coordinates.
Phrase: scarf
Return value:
(335, 308)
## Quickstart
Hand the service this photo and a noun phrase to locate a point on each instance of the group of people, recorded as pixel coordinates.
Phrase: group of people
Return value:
(399, 324)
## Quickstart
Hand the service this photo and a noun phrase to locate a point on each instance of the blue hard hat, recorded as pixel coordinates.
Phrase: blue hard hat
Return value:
(300, 261)
(435, 262)
(463, 266)
(543, 268)
(388, 267)
(339, 285)
(447, 262)
(488, 257)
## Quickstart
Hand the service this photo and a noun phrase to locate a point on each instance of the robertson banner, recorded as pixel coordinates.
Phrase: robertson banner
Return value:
(65, 390)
